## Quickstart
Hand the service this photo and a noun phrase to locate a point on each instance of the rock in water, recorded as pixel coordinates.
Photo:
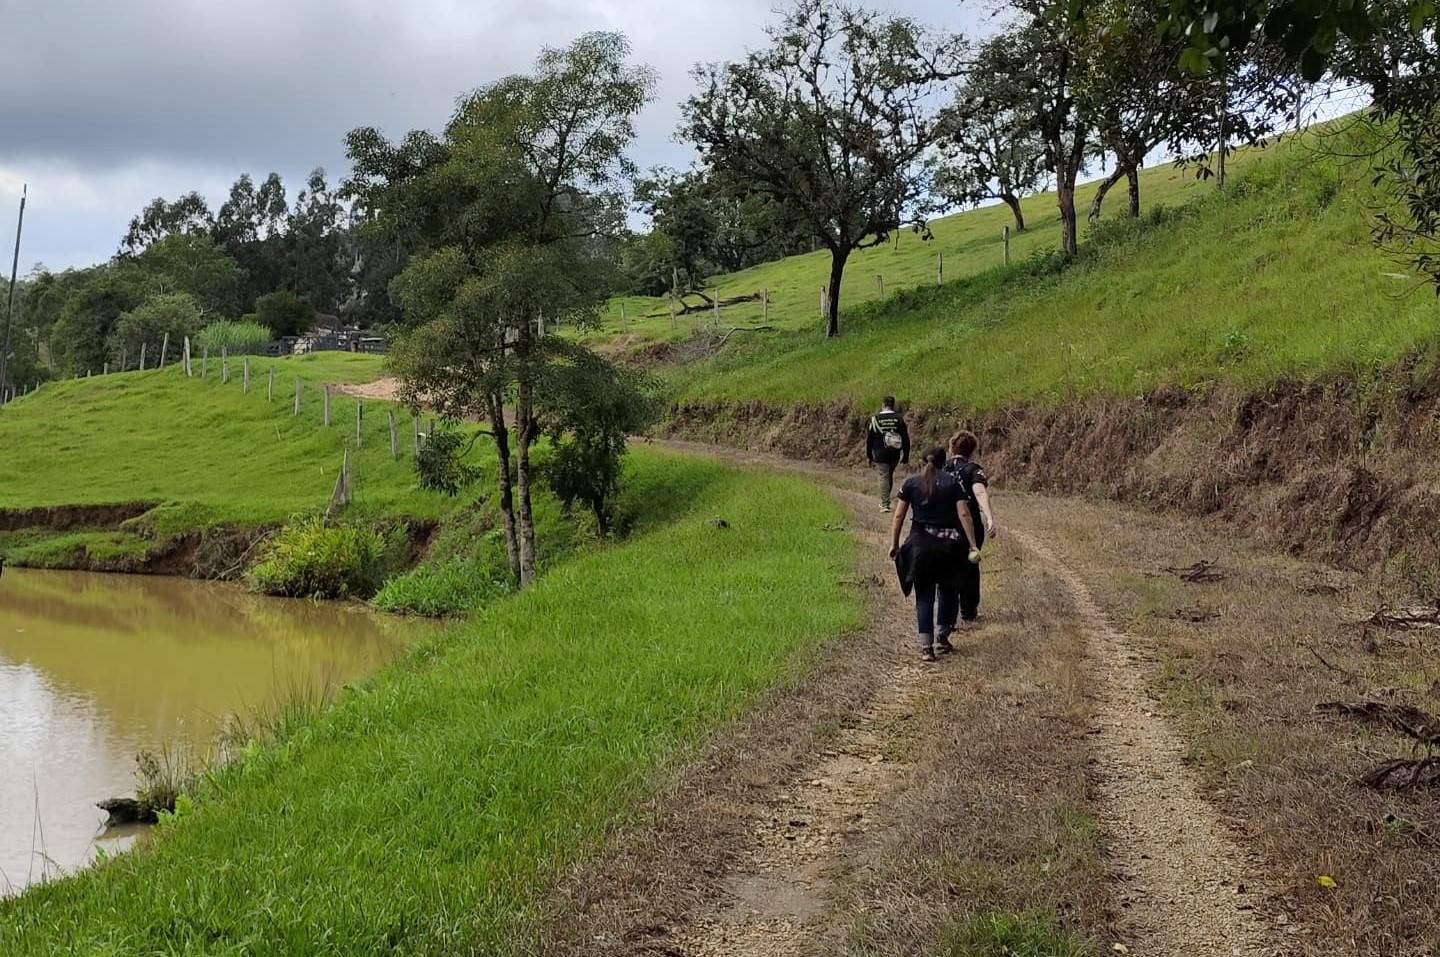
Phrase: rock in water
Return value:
(127, 811)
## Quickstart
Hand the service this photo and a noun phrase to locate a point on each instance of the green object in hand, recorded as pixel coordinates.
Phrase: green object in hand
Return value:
(974, 556)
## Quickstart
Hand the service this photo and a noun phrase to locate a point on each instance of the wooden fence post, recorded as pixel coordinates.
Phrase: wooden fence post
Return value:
(105, 369)
(297, 395)
(224, 365)
(624, 323)
(394, 437)
(164, 350)
(326, 390)
(270, 395)
(245, 372)
(142, 355)
(672, 313)
(765, 303)
(880, 284)
(359, 422)
(189, 369)
(123, 357)
(716, 303)
(1005, 241)
(205, 362)
(939, 269)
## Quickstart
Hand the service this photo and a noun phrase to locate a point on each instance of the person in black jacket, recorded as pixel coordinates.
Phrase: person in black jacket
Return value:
(930, 560)
(976, 486)
(887, 444)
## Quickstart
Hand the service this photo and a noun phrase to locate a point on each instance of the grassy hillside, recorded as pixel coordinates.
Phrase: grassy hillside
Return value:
(1276, 277)
(424, 813)
(968, 243)
(210, 453)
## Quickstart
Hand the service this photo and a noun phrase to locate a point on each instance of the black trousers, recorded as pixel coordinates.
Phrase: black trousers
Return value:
(970, 580)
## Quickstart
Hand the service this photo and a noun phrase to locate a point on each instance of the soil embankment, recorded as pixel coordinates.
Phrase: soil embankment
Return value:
(1339, 470)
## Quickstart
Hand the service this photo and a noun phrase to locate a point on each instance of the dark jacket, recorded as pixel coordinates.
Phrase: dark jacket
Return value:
(970, 474)
(925, 558)
(875, 448)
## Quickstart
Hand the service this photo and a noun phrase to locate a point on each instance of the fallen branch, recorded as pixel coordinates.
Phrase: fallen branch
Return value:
(1415, 724)
(1412, 618)
(706, 303)
(1202, 571)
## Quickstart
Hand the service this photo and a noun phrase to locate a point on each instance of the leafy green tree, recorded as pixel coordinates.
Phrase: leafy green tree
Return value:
(505, 213)
(193, 264)
(146, 326)
(834, 120)
(316, 249)
(188, 215)
(284, 313)
(80, 334)
(589, 408)
(991, 146)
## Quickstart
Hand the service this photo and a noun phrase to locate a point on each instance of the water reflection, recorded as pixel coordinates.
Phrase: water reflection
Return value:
(95, 668)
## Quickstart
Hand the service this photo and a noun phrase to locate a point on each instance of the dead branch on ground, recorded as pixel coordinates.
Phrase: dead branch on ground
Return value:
(1419, 726)
(1202, 571)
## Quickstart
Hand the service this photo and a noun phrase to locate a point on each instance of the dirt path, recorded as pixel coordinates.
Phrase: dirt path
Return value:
(775, 896)
(1187, 890)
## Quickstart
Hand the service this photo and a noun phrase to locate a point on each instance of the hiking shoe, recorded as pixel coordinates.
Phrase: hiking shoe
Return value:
(943, 646)
(927, 654)
(884, 506)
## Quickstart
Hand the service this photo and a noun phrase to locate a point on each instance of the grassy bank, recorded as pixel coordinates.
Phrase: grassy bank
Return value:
(426, 810)
(1275, 278)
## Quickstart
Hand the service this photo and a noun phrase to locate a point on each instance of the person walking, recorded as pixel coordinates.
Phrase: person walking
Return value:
(930, 561)
(975, 485)
(887, 444)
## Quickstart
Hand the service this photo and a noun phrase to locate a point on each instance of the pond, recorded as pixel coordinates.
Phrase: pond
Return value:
(96, 668)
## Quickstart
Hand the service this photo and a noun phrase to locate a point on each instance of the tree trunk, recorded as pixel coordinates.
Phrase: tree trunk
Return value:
(525, 427)
(837, 272)
(1105, 184)
(1013, 201)
(1133, 175)
(1069, 227)
(496, 414)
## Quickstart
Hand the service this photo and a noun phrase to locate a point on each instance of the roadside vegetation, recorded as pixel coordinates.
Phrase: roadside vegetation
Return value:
(426, 810)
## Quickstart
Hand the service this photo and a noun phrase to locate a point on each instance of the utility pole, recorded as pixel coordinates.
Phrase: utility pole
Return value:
(10, 299)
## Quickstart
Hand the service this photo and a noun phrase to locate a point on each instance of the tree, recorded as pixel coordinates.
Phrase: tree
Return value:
(146, 326)
(188, 215)
(1045, 54)
(833, 121)
(992, 147)
(589, 407)
(193, 264)
(284, 313)
(505, 214)
(315, 246)
(80, 333)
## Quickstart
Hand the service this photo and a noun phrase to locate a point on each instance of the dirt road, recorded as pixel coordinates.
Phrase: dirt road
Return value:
(856, 848)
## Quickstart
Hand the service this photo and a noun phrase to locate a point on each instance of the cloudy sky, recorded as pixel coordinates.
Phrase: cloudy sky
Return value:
(105, 105)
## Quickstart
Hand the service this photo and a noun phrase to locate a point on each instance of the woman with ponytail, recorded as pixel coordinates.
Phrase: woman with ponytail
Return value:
(930, 561)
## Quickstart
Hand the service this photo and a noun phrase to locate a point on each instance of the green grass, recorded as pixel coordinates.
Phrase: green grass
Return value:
(211, 454)
(425, 812)
(1012, 935)
(1277, 278)
(968, 243)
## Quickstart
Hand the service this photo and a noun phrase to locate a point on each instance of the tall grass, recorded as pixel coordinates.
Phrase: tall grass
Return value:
(426, 811)
(236, 338)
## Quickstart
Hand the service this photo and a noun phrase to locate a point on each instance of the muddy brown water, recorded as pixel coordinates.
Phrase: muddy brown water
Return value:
(96, 668)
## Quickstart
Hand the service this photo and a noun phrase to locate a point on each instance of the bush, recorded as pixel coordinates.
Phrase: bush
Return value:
(285, 313)
(439, 462)
(449, 589)
(310, 559)
(236, 338)
(146, 326)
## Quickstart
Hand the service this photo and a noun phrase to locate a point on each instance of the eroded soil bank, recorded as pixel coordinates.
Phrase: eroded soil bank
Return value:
(1341, 470)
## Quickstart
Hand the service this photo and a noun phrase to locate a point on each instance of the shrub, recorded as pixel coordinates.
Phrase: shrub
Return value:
(310, 559)
(146, 326)
(454, 588)
(236, 338)
(440, 465)
(285, 313)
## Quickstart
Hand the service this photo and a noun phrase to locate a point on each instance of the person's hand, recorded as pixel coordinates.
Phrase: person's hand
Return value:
(975, 556)
(989, 529)
(894, 552)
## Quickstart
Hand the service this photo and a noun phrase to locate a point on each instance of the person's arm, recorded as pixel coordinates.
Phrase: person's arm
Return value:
(896, 527)
(963, 511)
(982, 496)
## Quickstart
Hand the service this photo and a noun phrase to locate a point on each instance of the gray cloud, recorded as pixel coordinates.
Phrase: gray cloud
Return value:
(109, 104)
